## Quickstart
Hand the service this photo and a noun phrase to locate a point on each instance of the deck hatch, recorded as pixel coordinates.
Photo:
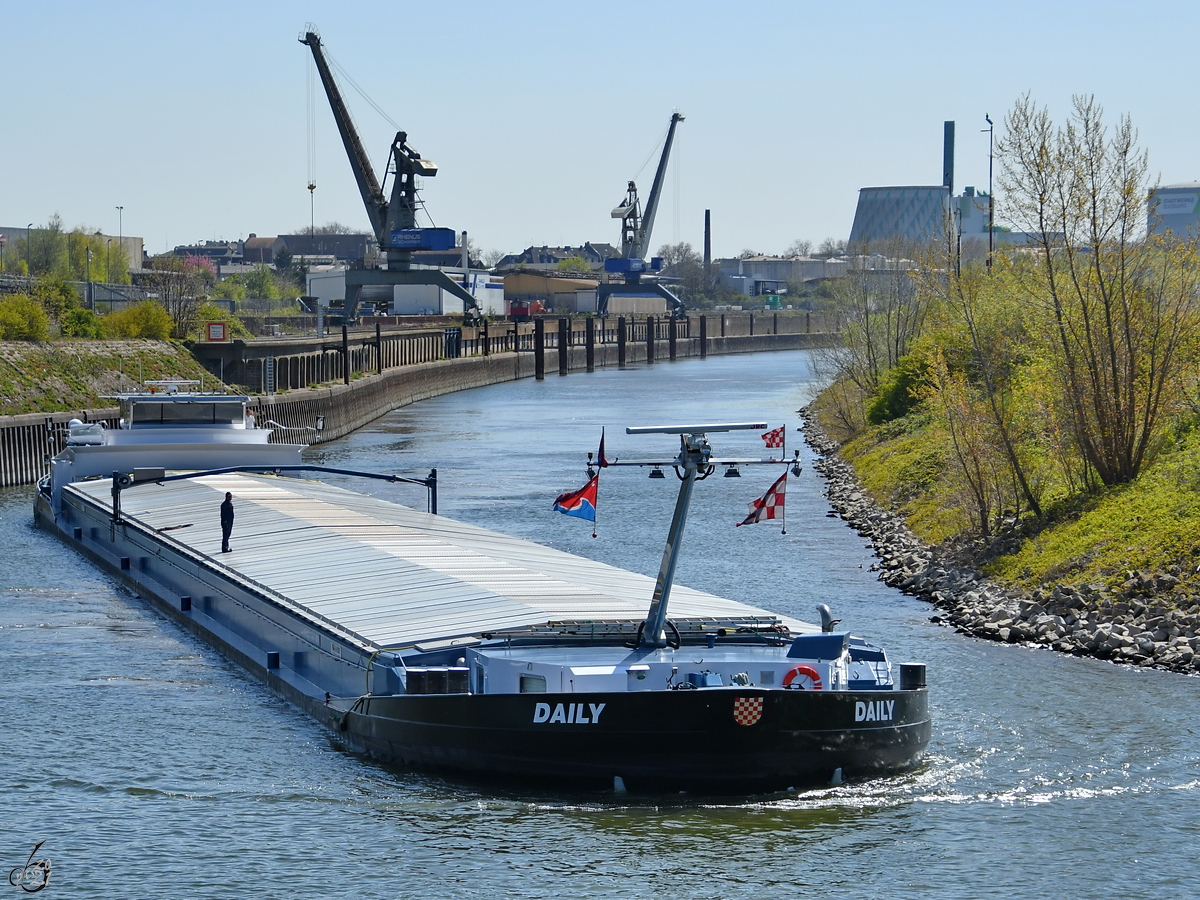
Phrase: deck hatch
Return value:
(391, 574)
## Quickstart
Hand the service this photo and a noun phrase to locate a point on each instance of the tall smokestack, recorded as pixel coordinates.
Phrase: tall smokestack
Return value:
(707, 246)
(948, 158)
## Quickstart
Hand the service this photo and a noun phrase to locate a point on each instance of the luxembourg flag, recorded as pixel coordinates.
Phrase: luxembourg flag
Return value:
(580, 503)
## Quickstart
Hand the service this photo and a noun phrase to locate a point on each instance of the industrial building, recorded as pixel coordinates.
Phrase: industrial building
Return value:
(1174, 209)
(920, 214)
(759, 275)
(910, 213)
(545, 258)
(415, 299)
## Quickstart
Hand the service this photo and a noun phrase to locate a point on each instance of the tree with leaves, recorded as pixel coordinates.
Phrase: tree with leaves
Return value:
(983, 310)
(573, 264)
(260, 284)
(1118, 307)
(23, 319)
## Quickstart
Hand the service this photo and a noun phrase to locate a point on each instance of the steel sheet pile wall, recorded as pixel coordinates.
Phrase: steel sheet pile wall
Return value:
(28, 441)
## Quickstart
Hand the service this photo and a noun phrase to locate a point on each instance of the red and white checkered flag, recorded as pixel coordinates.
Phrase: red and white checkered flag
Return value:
(774, 437)
(769, 505)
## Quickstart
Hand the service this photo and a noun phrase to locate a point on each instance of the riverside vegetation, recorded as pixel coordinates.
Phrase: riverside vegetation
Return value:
(67, 375)
(1020, 440)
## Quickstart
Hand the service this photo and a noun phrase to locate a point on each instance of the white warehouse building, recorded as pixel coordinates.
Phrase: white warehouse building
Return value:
(416, 299)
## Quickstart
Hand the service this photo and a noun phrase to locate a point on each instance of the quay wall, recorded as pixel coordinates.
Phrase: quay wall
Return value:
(407, 369)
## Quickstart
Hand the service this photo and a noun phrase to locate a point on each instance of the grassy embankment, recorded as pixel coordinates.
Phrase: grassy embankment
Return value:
(1151, 525)
(67, 375)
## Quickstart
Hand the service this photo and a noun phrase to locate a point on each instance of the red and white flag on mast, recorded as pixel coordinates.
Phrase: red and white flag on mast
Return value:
(774, 437)
(769, 505)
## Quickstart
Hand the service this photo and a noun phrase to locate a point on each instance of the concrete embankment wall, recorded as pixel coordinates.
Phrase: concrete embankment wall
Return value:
(347, 407)
(27, 441)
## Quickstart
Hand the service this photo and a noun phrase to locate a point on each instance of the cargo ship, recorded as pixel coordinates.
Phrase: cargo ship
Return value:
(432, 643)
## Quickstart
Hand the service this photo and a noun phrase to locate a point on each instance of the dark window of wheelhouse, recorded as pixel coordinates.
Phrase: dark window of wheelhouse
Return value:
(185, 413)
(533, 684)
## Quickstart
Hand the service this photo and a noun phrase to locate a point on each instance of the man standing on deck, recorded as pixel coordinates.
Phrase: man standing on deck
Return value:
(226, 522)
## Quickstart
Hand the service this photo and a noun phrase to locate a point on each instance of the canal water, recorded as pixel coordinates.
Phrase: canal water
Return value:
(152, 767)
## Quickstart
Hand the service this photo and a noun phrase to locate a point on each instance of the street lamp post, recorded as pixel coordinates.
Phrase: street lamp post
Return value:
(991, 129)
(29, 248)
(121, 230)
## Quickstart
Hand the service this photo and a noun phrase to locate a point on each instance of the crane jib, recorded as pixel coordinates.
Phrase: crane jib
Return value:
(393, 218)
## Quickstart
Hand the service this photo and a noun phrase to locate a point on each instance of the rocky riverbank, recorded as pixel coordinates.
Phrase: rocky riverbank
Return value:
(1135, 624)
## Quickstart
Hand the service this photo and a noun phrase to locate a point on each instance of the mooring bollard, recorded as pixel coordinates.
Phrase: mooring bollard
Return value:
(345, 357)
(539, 349)
(591, 345)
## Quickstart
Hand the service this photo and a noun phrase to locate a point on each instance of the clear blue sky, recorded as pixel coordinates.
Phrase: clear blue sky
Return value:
(193, 116)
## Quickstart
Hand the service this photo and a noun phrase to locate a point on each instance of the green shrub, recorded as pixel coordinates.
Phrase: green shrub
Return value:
(81, 323)
(23, 319)
(55, 295)
(898, 393)
(147, 319)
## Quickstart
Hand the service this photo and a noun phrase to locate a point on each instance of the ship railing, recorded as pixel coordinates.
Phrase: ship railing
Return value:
(881, 671)
(692, 629)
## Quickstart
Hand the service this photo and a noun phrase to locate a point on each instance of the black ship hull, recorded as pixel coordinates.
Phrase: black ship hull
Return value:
(707, 740)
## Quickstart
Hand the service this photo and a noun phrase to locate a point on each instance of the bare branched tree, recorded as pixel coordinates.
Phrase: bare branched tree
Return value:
(683, 262)
(491, 258)
(1119, 307)
(981, 307)
(884, 312)
(179, 285)
(977, 467)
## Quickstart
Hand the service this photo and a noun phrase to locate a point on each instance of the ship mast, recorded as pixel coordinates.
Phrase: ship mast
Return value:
(694, 463)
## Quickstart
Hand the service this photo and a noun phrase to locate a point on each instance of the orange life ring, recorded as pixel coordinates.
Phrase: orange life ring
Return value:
(807, 671)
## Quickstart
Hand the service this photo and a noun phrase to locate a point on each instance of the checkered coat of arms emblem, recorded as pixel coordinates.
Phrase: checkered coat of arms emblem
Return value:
(747, 710)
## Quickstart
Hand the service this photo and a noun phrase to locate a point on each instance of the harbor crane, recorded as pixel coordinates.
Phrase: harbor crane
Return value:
(393, 217)
(636, 226)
